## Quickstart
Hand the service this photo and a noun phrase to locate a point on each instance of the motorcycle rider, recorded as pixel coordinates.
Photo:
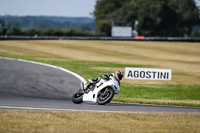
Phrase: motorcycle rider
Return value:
(118, 75)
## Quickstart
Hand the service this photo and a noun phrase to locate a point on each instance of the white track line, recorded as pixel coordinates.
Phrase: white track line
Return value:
(48, 65)
(53, 109)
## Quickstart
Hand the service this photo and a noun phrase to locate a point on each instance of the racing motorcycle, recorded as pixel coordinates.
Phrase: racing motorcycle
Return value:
(99, 90)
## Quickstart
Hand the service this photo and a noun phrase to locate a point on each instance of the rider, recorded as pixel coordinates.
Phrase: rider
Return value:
(118, 75)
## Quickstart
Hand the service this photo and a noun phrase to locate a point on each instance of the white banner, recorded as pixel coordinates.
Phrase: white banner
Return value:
(148, 73)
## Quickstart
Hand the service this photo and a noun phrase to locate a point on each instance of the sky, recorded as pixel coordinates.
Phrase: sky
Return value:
(197, 3)
(68, 8)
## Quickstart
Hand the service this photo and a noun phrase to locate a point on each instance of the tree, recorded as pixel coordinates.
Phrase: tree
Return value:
(187, 15)
(15, 31)
(155, 17)
(1, 26)
(105, 14)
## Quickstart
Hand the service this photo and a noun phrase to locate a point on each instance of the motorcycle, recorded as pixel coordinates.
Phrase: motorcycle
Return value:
(98, 90)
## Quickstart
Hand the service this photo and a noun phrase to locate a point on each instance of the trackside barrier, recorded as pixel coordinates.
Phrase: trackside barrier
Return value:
(169, 39)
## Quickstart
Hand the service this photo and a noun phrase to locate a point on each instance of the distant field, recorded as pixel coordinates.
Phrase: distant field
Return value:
(92, 58)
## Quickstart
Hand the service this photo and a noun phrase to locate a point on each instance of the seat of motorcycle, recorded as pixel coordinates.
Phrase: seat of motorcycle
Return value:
(96, 79)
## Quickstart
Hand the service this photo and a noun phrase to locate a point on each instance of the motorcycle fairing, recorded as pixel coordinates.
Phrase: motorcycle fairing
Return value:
(92, 95)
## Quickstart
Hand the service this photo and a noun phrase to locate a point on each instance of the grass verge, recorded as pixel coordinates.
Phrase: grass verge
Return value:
(90, 122)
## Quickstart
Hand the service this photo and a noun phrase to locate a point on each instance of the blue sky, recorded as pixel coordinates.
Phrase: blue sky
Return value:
(70, 8)
(197, 3)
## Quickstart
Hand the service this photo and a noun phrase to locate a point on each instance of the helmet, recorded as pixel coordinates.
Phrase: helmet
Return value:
(119, 74)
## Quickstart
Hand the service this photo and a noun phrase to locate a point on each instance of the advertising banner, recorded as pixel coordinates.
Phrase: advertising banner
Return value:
(148, 73)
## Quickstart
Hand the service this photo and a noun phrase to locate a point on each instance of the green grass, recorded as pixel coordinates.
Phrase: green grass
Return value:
(165, 92)
(177, 95)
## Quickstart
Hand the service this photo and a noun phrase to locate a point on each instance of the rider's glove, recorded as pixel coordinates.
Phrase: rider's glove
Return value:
(106, 76)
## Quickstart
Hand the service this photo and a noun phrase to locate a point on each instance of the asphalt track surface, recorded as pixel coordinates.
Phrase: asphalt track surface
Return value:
(30, 86)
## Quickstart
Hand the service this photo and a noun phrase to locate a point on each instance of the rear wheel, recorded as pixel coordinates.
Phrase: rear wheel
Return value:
(105, 97)
(77, 98)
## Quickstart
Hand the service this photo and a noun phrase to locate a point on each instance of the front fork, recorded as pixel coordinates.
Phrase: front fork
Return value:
(82, 85)
(86, 88)
(105, 92)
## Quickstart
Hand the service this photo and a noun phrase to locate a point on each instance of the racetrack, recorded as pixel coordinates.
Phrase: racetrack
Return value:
(26, 85)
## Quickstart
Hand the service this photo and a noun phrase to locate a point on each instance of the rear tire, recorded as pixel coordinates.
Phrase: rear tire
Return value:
(103, 99)
(77, 98)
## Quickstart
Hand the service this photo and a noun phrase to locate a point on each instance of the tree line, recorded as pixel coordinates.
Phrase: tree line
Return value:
(48, 32)
(47, 26)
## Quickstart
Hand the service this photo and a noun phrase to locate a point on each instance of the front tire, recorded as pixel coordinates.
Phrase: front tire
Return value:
(105, 98)
(77, 98)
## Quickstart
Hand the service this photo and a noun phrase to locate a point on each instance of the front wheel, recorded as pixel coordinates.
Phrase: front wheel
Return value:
(105, 97)
(77, 98)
